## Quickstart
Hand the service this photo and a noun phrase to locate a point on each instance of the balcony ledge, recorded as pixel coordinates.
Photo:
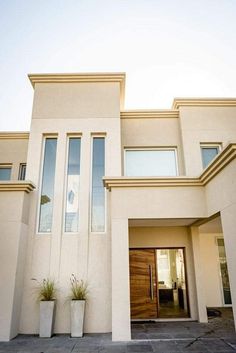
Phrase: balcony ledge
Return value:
(25, 185)
(219, 163)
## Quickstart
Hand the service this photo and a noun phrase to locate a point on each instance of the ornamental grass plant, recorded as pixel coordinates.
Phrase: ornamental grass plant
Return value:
(46, 290)
(79, 289)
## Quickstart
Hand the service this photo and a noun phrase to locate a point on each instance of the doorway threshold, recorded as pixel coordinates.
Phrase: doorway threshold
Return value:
(188, 319)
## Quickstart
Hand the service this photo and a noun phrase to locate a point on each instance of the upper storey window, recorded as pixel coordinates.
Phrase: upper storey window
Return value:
(5, 172)
(209, 152)
(73, 177)
(151, 162)
(98, 191)
(47, 186)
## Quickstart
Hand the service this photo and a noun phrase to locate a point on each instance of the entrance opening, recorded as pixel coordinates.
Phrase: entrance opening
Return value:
(158, 284)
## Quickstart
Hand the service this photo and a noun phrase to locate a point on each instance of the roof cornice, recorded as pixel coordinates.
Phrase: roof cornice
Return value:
(14, 135)
(82, 78)
(220, 162)
(26, 186)
(151, 114)
(203, 102)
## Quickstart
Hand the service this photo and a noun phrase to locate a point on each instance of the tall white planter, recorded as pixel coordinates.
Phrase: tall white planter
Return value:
(47, 313)
(77, 318)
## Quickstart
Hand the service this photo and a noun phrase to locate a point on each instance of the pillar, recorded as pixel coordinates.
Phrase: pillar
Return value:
(121, 329)
(200, 290)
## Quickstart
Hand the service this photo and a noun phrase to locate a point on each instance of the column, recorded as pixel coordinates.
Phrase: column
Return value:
(228, 220)
(200, 290)
(121, 329)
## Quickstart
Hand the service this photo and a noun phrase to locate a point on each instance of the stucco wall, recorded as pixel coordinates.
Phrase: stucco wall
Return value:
(211, 273)
(13, 240)
(158, 132)
(13, 151)
(204, 125)
(61, 109)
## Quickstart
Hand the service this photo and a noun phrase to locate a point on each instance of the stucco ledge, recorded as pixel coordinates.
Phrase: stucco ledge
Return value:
(26, 186)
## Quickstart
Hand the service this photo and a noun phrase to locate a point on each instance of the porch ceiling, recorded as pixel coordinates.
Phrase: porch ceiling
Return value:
(167, 222)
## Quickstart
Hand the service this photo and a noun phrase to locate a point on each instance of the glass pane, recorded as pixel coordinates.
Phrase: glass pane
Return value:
(47, 191)
(72, 196)
(224, 272)
(151, 163)
(208, 154)
(98, 192)
(172, 290)
(5, 173)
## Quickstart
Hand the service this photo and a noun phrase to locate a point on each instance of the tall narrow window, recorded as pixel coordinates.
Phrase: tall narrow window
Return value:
(72, 192)
(98, 192)
(47, 189)
(22, 171)
(224, 272)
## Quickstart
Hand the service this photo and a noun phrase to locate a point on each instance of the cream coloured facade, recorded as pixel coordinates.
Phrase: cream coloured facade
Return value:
(107, 189)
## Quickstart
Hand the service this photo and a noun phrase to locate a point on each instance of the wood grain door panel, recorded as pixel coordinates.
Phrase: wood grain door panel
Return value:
(143, 290)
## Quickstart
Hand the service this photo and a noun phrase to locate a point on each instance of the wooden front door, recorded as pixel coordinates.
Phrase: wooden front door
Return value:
(143, 284)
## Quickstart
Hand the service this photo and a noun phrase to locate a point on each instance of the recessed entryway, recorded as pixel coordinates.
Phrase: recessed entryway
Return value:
(158, 287)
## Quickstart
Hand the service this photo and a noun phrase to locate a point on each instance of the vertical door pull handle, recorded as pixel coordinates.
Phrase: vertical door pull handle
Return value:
(151, 282)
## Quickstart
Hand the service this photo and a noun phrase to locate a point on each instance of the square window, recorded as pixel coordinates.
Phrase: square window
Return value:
(209, 153)
(5, 173)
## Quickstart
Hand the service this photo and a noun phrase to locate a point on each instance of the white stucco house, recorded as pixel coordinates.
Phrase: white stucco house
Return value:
(141, 204)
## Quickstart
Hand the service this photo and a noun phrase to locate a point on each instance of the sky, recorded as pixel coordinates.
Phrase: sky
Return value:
(168, 48)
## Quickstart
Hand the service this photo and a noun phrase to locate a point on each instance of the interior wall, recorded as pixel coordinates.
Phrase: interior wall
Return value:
(211, 274)
(167, 237)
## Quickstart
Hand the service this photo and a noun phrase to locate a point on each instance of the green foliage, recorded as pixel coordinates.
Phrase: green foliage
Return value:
(79, 289)
(46, 290)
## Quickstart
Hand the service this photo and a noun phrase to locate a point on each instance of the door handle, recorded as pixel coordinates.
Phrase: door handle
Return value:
(151, 283)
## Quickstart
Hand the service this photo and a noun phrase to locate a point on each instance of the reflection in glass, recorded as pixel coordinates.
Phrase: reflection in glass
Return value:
(173, 301)
(72, 194)
(150, 163)
(98, 192)
(47, 190)
(5, 173)
(224, 271)
(208, 154)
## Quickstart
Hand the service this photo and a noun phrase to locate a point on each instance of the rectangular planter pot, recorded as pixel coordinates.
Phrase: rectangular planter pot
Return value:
(77, 318)
(47, 313)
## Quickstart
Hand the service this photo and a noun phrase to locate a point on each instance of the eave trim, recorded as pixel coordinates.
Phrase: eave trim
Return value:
(149, 114)
(26, 186)
(203, 102)
(14, 135)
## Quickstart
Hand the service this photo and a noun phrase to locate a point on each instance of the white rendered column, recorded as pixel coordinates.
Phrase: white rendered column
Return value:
(121, 330)
(200, 290)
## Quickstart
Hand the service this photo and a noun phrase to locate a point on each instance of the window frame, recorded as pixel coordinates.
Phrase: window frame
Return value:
(79, 136)
(209, 145)
(41, 167)
(6, 166)
(162, 148)
(220, 274)
(97, 135)
(21, 166)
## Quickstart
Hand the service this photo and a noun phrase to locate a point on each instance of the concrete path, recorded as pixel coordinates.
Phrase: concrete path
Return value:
(218, 336)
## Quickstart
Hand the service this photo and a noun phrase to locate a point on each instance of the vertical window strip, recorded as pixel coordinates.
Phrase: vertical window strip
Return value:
(72, 188)
(98, 191)
(47, 186)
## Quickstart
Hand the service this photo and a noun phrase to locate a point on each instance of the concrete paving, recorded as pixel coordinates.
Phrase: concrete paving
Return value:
(218, 336)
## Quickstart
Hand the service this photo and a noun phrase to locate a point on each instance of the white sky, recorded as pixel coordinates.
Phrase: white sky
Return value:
(168, 48)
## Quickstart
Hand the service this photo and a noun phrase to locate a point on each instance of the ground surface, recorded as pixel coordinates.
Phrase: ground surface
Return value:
(217, 336)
